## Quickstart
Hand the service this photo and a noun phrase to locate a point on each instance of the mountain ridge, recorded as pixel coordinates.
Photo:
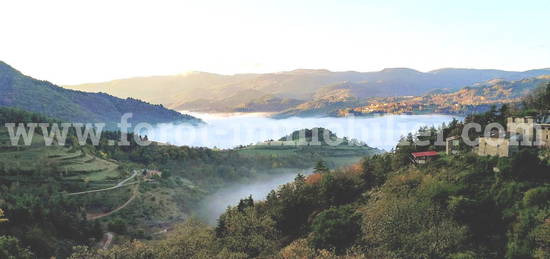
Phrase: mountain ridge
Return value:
(210, 92)
(24, 92)
(478, 97)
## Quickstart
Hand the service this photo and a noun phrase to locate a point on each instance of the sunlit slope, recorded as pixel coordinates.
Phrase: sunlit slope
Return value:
(199, 91)
(24, 92)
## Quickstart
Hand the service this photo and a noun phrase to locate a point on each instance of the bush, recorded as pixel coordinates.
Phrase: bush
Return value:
(11, 249)
(539, 197)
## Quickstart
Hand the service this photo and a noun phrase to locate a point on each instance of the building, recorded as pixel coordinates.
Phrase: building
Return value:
(495, 146)
(424, 157)
(529, 131)
(452, 145)
(544, 135)
(520, 132)
(523, 127)
(543, 132)
(151, 173)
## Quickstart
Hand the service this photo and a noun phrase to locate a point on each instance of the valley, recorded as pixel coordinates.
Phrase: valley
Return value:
(280, 129)
(103, 189)
(255, 184)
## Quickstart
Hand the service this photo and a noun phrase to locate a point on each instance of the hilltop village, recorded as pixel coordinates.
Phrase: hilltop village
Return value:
(520, 132)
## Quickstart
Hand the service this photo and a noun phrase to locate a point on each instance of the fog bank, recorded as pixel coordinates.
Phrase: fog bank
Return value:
(215, 204)
(229, 131)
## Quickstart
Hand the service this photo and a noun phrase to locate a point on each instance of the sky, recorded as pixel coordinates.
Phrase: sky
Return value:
(72, 42)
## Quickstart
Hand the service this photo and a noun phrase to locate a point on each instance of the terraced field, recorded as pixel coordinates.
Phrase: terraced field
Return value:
(74, 165)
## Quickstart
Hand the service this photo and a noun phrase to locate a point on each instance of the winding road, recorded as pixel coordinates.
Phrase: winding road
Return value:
(98, 216)
(118, 185)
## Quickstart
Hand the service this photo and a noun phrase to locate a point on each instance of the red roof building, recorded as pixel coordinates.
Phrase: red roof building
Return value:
(423, 157)
(425, 154)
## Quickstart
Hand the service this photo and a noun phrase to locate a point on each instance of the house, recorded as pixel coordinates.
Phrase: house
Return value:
(452, 145)
(424, 157)
(151, 173)
(529, 131)
(544, 135)
(543, 132)
(523, 127)
(495, 146)
(520, 132)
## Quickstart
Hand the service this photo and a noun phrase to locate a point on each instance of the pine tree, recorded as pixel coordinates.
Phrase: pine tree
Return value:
(321, 167)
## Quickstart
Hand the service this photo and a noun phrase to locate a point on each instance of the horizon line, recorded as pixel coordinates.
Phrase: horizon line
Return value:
(189, 72)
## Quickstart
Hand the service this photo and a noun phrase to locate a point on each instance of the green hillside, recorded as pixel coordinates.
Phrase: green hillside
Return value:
(300, 144)
(20, 91)
(457, 206)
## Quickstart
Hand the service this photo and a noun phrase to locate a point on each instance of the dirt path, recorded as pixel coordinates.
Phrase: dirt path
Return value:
(127, 179)
(107, 240)
(101, 215)
(118, 185)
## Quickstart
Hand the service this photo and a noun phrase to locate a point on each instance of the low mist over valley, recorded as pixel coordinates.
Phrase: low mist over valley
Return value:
(301, 130)
(215, 204)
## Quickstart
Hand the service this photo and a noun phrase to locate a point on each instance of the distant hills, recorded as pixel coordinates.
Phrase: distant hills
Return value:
(207, 92)
(24, 92)
(472, 99)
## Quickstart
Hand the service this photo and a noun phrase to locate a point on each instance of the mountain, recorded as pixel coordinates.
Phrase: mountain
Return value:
(207, 92)
(267, 103)
(475, 98)
(34, 95)
(171, 91)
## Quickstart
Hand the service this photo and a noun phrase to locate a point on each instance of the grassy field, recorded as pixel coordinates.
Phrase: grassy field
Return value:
(335, 156)
(74, 164)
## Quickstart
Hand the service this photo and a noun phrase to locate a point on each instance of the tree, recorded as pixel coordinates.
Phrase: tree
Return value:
(335, 228)
(10, 248)
(321, 167)
(245, 203)
(527, 165)
(191, 239)
(247, 232)
(542, 238)
(338, 189)
(539, 99)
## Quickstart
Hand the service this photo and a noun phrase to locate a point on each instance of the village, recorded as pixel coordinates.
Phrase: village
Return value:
(520, 132)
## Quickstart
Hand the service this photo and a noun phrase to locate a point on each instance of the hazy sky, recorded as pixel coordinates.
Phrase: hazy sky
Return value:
(71, 41)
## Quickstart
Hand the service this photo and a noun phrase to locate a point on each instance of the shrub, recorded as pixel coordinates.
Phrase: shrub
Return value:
(539, 197)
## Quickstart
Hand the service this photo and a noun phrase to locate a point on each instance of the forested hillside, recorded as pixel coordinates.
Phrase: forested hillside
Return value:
(458, 206)
(20, 91)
